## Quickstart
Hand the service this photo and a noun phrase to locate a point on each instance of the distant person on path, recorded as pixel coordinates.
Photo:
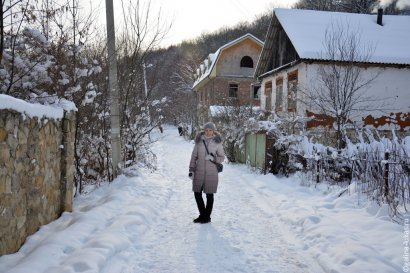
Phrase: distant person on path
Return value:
(180, 130)
(203, 172)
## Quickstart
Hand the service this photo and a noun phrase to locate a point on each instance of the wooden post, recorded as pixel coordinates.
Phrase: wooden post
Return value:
(317, 171)
(386, 175)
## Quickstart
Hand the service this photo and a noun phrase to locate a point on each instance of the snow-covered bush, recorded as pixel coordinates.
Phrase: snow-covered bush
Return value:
(230, 122)
(48, 55)
(136, 141)
(379, 166)
(49, 62)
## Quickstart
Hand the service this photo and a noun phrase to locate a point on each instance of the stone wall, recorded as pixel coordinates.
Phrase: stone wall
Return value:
(36, 174)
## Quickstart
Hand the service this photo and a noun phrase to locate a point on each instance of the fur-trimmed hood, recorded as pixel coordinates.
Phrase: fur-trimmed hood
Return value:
(217, 137)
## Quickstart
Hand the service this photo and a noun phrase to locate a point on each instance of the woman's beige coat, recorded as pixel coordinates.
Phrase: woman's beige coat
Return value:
(205, 172)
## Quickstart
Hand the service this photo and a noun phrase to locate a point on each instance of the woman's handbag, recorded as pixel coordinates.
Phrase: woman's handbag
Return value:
(219, 166)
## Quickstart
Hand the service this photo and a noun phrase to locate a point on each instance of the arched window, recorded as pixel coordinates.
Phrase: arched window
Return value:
(247, 61)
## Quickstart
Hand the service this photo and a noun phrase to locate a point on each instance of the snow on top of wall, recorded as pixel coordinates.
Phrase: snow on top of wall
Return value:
(306, 29)
(37, 110)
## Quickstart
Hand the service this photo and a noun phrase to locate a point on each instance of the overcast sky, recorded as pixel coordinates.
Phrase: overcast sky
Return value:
(190, 18)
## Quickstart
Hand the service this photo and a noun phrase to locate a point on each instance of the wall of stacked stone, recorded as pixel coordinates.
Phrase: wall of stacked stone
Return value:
(36, 174)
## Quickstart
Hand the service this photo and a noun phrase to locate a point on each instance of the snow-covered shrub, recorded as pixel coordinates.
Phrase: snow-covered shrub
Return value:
(49, 55)
(379, 166)
(230, 122)
(285, 154)
(49, 63)
(25, 64)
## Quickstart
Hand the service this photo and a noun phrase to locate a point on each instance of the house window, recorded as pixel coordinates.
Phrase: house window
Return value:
(256, 92)
(233, 90)
(292, 90)
(247, 61)
(268, 96)
(279, 95)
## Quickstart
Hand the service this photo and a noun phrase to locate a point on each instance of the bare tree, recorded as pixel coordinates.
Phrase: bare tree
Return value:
(182, 77)
(10, 16)
(183, 96)
(144, 29)
(316, 4)
(352, 6)
(340, 88)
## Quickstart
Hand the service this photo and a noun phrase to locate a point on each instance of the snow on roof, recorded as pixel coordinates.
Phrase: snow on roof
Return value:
(36, 110)
(212, 57)
(306, 29)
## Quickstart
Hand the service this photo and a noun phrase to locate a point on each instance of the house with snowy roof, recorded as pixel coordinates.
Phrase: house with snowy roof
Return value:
(301, 46)
(225, 77)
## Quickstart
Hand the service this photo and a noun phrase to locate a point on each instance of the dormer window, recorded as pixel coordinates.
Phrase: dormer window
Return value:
(247, 61)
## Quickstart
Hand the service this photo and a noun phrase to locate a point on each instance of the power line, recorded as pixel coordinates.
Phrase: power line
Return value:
(241, 8)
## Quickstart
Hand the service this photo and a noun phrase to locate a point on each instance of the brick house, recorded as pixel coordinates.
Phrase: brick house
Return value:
(295, 52)
(226, 76)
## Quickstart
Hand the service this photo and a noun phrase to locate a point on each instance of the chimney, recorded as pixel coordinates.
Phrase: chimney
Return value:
(380, 17)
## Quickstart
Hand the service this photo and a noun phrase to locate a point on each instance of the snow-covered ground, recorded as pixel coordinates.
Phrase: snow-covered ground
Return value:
(142, 222)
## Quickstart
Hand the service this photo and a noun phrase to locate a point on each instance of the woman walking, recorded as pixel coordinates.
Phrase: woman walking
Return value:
(207, 151)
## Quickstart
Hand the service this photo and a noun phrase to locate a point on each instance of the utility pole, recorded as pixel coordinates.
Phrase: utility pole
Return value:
(114, 98)
(146, 88)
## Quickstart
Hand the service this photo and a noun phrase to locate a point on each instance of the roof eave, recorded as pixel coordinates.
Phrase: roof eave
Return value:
(280, 68)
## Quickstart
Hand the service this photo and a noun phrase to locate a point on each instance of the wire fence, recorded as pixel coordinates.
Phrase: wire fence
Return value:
(381, 176)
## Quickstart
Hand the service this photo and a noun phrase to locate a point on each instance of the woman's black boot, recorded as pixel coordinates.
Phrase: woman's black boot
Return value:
(208, 210)
(201, 207)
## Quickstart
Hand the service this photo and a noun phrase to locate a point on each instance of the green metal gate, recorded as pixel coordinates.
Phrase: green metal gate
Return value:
(255, 150)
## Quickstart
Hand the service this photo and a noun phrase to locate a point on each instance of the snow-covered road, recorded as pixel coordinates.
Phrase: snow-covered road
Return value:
(243, 237)
(142, 222)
